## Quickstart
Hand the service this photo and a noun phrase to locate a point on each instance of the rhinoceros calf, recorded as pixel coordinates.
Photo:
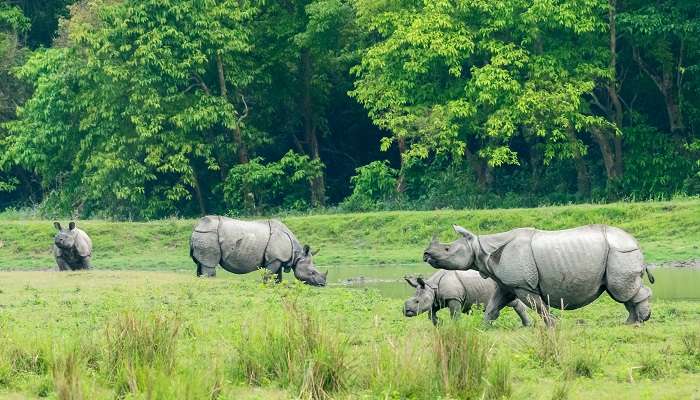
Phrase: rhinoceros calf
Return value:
(72, 248)
(241, 247)
(566, 269)
(457, 290)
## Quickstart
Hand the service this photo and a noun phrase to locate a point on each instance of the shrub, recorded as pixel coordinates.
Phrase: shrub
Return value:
(258, 186)
(373, 185)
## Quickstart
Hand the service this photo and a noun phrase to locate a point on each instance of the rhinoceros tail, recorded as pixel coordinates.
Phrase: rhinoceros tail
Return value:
(649, 275)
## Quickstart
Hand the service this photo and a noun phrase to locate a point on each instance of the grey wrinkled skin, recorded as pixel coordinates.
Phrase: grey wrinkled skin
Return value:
(72, 248)
(457, 290)
(566, 269)
(241, 247)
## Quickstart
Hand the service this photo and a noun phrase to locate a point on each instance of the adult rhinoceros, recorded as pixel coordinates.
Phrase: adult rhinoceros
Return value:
(566, 269)
(241, 247)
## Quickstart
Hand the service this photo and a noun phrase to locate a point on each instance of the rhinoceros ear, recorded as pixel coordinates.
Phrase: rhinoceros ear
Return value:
(71, 225)
(421, 282)
(307, 250)
(411, 281)
(463, 232)
(57, 225)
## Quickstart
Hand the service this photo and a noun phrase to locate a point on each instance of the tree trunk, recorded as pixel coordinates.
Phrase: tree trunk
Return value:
(318, 184)
(606, 151)
(401, 184)
(616, 113)
(198, 193)
(241, 148)
(481, 169)
(583, 179)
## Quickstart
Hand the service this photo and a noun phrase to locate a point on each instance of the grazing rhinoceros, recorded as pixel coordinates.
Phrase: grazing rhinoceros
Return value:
(72, 248)
(566, 269)
(246, 246)
(457, 290)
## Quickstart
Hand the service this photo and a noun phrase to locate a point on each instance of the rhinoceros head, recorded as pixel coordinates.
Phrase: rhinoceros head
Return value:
(458, 255)
(64, 239)
(421, 301)
(306, 271)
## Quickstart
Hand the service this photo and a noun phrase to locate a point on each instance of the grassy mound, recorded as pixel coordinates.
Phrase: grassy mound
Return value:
(665, 230)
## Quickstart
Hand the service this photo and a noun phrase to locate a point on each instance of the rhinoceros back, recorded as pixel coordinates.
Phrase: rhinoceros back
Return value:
(243, 244)
(571, 265)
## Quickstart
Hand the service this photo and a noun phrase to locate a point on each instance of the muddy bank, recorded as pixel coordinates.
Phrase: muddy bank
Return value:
(676, 264)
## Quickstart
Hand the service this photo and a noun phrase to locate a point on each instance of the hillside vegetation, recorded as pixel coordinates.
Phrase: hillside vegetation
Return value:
(666, 231)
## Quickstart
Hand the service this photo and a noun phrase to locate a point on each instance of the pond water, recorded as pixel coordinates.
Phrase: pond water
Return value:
(670, 284)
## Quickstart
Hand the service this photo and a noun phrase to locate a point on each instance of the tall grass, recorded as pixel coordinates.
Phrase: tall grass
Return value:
(138, 347)
(67, 371)
(461, 360)
(297, 352)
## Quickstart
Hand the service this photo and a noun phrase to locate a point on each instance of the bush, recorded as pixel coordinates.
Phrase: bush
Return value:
(256, 186)
(373, 185)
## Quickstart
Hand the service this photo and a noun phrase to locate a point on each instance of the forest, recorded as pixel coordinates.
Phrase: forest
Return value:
(147, 109)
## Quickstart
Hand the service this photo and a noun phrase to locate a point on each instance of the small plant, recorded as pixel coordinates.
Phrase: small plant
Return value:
(691, 344)
(67, 371)
(390, 375)
(137, 345)
(461, 359)
(299, 353)
(499, 380)
(562, 390)
(653, 366)
(585, 364)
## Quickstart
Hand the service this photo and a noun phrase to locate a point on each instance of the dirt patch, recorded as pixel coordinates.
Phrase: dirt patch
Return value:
(677, 264)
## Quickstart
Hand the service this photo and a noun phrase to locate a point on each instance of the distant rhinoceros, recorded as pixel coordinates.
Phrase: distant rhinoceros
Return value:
(565, 269)
(241, 247)
(72, 248)
(457, 290)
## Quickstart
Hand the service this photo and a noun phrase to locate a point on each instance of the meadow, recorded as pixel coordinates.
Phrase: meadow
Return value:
(142, 326)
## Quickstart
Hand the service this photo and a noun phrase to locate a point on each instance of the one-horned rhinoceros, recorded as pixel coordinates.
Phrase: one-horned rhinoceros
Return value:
(241, 247)
(457, 290)
(72, 248)
(565, 269)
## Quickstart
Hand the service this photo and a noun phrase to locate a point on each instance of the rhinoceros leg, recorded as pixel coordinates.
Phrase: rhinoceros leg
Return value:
(62, 264)
(521, 310)
(455, 307)
(500, 298)
(86, 263)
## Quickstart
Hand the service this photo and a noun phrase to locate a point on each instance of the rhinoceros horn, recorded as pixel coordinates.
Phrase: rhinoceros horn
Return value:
(434, 239)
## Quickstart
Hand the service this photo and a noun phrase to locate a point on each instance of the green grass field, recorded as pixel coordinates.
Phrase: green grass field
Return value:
(165, 335)
(142, 326)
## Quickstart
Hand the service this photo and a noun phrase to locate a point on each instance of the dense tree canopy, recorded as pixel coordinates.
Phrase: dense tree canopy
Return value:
(151, 108)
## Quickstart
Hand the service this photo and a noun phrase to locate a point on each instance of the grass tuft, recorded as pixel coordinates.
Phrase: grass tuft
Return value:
(297, 353)
(67, 370)
(461, 360)
(138, 347)
(499, 382)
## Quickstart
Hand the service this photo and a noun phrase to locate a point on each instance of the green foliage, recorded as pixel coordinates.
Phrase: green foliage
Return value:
(373, 185)
(280, 184)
